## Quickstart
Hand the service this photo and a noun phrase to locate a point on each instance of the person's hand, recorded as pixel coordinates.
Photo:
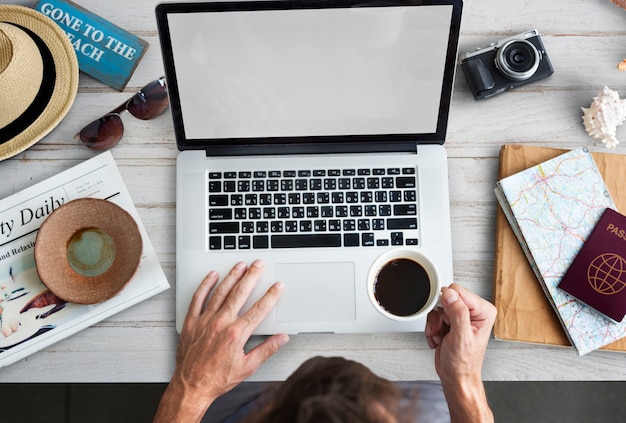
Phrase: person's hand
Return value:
(210, 359)
(460, 332)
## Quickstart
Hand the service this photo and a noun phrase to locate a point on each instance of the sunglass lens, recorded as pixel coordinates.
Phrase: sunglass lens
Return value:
(102, 133)
(150, 101)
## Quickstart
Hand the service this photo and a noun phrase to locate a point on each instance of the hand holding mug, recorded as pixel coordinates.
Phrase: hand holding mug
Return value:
(460, 331)
(404, 284)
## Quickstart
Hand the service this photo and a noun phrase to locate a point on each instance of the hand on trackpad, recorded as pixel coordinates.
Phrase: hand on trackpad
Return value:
(316, 292)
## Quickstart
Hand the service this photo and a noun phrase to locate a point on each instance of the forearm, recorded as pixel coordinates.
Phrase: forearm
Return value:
(179, 405)
(467, 402)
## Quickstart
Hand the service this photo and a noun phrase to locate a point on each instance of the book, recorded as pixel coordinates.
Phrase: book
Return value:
(552, 208)
(104, 50)
(31, 317)
(524, 313)
(597, 276)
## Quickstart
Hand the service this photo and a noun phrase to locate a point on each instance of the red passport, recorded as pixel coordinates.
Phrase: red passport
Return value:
(597, 276)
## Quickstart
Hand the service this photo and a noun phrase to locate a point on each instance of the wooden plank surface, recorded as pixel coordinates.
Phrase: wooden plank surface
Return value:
(585, 41)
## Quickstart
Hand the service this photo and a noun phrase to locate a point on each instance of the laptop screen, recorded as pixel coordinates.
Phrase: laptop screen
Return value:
(279, 73)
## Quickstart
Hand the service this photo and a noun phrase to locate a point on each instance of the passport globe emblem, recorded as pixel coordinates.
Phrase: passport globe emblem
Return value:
(607, 273)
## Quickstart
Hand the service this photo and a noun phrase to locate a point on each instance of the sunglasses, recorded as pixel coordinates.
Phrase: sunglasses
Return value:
(149, 102)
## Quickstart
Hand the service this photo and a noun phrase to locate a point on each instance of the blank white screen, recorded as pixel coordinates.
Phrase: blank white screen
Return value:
(354, 71)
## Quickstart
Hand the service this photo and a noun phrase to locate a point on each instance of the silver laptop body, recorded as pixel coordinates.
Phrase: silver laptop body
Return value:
(311, 137)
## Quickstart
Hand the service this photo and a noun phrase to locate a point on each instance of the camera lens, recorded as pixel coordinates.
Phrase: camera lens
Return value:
(518, 59)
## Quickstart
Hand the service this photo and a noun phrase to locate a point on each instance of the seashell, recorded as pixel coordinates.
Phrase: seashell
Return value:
(603, 117)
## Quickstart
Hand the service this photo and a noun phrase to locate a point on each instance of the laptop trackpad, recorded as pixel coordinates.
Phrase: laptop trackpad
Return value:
(316, 292)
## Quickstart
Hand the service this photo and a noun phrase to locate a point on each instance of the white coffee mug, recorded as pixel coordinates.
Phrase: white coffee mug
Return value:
(403, 284)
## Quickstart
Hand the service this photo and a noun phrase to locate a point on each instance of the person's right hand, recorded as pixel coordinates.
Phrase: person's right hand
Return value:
(460, 332)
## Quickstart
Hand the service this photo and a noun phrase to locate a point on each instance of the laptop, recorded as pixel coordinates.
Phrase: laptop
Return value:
(311, 137)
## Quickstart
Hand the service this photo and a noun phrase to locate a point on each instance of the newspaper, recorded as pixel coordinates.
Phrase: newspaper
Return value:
(31, 317)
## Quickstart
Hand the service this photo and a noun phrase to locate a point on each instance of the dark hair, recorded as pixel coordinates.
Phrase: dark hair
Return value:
(330, 390)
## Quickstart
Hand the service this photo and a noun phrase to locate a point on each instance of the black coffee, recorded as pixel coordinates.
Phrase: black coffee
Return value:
(402, 287)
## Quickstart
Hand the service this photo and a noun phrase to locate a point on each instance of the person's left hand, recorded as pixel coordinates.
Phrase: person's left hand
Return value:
(210, 359)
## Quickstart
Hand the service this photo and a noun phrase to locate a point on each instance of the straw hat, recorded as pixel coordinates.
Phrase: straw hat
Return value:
(38, 77)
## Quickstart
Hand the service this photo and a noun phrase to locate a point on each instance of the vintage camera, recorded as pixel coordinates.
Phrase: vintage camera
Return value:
(506, 64)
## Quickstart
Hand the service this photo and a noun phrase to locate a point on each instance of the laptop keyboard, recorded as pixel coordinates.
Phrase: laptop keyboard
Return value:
(314, 208)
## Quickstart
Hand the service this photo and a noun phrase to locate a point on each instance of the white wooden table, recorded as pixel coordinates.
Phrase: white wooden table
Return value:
(585, 40)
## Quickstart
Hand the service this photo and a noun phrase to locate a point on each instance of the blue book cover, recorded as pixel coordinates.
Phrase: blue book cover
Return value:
(104, 50)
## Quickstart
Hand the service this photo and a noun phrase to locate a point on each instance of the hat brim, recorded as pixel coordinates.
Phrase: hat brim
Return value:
(59, 86)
